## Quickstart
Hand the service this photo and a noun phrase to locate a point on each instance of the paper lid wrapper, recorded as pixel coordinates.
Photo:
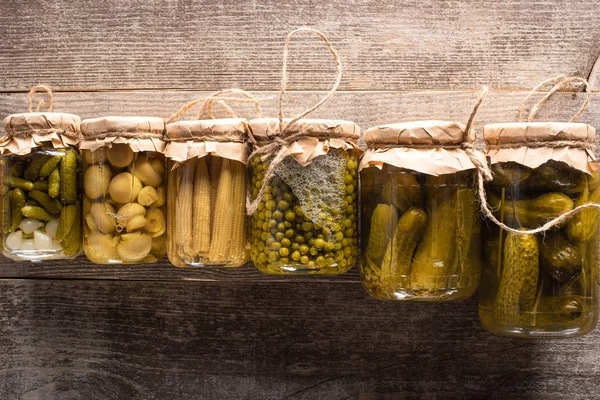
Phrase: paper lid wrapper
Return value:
(23, 132)
(338, 134)
(393, 145)
(517, 136)
(139, 133)
(224, 138)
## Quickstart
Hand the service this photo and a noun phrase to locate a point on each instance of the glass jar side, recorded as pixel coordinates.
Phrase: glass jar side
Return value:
(42, 205)
(543, 285)
(210, 213)
(307, 220)
(420, 235)
(124, 205)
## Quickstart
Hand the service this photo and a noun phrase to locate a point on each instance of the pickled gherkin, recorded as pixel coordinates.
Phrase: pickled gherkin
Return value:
(543, 284)
(307, 219)
(433, 253)
(36, 201)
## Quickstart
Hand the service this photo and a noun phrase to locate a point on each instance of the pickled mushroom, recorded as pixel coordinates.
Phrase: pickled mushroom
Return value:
(124, 188)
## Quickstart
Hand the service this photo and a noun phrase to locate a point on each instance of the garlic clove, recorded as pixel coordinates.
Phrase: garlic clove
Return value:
(51, 228)
(14, 240)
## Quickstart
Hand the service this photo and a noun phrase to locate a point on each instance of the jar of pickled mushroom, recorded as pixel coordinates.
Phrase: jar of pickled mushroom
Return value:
(124, 188)
(420, 227)
(40, 197)
(207, 181)
(544, 283)
(305, 207)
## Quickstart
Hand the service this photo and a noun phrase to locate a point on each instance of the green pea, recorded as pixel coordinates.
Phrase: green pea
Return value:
(303, 249)
(300, 239)
(311, 265)
(279, 236)
(296, 256)
(350, 189)
(273, 256)
(307, 226)
(295, 246)
(285, 242)
(284, 252)
(313, 251)
(304, 259)
(270, 205)
(281, 227)
(290, 216)
(278, 215)
(321, 261)
(283, 205)
(326, 231)
(329, 246)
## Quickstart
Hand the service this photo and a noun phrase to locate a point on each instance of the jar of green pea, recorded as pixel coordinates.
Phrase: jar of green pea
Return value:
(305, 217)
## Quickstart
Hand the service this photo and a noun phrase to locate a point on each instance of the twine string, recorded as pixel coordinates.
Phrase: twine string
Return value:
(280, 142)
(41, 103)
(284, 77)
(545, 83)
(555, 89)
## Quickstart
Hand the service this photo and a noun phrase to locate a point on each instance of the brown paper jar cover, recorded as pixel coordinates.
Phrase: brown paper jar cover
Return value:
(513, 134)
(224, 138)
(432, 161)
(140, 133)
(306, 149)
(25, 131)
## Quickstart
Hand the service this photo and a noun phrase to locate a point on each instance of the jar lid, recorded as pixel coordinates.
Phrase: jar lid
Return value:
(233, 129)
(140, 133)
(264, 128)
(25, 131)
(418, 133)
(523, 132)
(533, 143)
(225, 138)
(95, 127)
(429, 147)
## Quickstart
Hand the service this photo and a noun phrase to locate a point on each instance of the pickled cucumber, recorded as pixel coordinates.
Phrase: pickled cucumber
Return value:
(66, 221)
(519, 280)
(402, 190)
(32, 171)
(395, 269)
(49, 166)
(51, 205)
(17, 202)
(436, 253)
(531, 213)
(20, 183)
(383, 222)
(584, 225)
(68, 177)
(560, 259)
(71, 242)
(54, 183)
(36, 213)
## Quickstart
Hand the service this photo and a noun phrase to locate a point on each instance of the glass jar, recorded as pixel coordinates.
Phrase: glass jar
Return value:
(207, 177)
(306, 222)
(420, 229)
(541, 284)
(41, 199)
(124, 187)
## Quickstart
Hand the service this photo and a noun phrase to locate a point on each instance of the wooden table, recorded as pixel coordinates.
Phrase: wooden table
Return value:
(74, 330)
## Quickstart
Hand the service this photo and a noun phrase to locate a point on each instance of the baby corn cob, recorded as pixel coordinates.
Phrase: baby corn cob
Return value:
(183, 220)
(215, 172)
(238, 234)
(221, 229)
(172, 205)
(202, 208)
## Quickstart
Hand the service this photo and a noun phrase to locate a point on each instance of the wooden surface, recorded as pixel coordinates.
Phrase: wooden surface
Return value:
(74, 330)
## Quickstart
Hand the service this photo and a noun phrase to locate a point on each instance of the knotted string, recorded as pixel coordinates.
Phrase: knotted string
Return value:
(41, 103)
(279, 143)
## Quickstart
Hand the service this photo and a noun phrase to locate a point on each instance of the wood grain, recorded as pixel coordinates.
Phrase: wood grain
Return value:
(412, 45)
(106, 340)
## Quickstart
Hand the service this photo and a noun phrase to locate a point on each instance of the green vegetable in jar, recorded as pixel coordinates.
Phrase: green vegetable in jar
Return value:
(560, 259)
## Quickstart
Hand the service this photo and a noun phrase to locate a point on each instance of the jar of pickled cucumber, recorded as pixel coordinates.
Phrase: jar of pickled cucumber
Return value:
(40, 197)
(124, 189)
(420, 227)
(542, 284)
(207, 220)
(305, 221)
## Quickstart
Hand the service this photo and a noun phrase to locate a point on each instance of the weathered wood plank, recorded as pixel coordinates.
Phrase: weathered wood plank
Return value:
(366, 108)
(100, 340)
(384, 45)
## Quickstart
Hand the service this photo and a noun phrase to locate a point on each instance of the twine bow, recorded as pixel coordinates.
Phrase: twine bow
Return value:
(280, 142)
(561, 81)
